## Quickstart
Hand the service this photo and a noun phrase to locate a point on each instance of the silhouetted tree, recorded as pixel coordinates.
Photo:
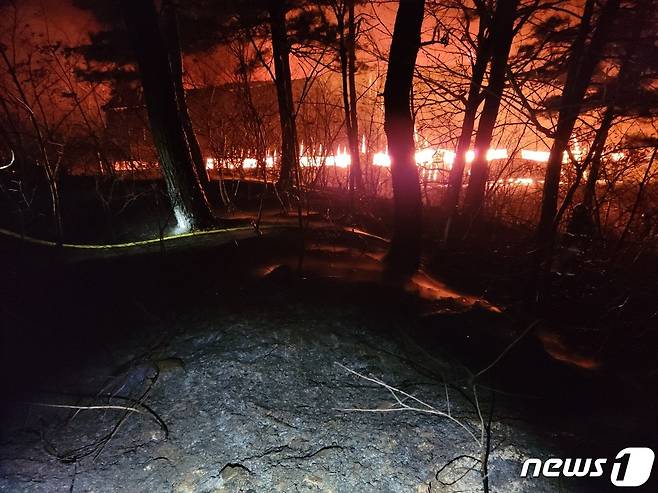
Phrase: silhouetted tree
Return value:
(184, 24)
(582, 62)
(472, 103)
(346, 31)
(288, 22)
(283, 80)
(172, 39)
(165, 117)
(356, 173)
(502, 33)
(404, 253)
(630, 90)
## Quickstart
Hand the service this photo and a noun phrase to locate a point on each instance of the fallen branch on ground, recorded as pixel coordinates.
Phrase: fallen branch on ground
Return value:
(400, 405)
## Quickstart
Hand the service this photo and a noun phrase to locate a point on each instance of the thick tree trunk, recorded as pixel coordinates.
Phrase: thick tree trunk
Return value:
(187, 199)
(172, 38)
(501, 40)
(582, 63)
(404, 253)
(283, 82)
(473, 100)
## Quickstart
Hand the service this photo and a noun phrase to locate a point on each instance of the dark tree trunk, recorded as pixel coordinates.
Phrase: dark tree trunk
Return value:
(283, 82)
(473, 100)
(595, 165)
(626, 75)
(582, 63)
(501, 41)
(404, 253)
(342, 55)
(187, 198)
(347, 56)
(172, 38)
(356, 175)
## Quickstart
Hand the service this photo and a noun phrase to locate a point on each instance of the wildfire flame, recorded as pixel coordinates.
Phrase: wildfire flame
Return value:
(425, 158)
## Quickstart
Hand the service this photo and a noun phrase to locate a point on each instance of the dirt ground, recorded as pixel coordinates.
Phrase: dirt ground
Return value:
(216, 367)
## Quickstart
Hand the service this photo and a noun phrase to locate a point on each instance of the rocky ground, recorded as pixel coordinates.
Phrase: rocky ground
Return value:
(252, 402)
